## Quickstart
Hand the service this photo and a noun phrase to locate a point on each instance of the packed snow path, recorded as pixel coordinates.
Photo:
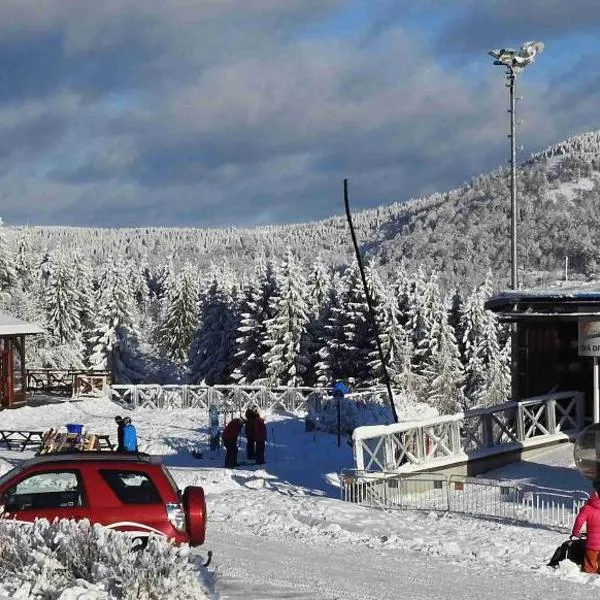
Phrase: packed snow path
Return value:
(251, 567)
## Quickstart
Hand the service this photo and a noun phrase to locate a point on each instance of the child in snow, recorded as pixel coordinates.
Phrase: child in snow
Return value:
(590, 515)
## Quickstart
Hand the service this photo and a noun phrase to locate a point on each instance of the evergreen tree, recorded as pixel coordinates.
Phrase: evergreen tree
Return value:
(257, 309)
(350, 333)
(481, 349)
(8, 276)
(284, 361)
(24, 263)
(62, 302)
(114, 340)
(318, 283)
(213, 348)
(177, 333)
(441, 367)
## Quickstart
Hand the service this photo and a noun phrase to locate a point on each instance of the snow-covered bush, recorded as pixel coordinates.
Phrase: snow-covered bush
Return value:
(44, 560)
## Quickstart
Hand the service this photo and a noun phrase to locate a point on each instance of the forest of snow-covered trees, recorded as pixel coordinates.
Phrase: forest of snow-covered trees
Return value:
(282, 322)
(257, 306)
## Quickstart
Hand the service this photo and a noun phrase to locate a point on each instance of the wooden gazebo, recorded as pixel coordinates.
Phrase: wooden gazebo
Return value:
(12, 359)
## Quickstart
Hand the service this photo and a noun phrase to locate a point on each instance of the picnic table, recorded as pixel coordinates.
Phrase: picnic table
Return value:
(22, 439)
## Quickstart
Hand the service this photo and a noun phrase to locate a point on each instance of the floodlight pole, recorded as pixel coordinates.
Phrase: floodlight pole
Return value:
(511, 84)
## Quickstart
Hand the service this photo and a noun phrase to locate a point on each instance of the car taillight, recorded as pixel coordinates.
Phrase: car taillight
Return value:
(176, 515)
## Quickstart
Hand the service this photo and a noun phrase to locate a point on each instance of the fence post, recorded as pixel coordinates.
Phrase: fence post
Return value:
(580, 410)
(551, 415)
(420, 445)
(455, 435)
(520, 423)
(488, 430)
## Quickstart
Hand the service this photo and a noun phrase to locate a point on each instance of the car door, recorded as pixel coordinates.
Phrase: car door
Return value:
(48, 494)
(134, 505)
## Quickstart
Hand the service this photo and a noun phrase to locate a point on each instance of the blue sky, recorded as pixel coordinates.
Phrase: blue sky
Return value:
(250, 112)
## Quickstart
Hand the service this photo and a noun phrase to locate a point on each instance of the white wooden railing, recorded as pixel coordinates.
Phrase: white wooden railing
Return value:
(227, 397)
(410, 446)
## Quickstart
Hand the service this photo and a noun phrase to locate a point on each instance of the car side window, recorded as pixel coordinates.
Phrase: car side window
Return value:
(53, 489)
(131, 487)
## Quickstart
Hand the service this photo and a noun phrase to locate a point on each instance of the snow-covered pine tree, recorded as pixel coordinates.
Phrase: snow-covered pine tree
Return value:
(285, 363)
(61, 302)
(24, 263)
(8, 276)
(257, 309)
(482, 350)
(441, 367)
(318, 283)
(213, 348)
(350, 334)
(177, 332)
(114, 341)
(328, 337)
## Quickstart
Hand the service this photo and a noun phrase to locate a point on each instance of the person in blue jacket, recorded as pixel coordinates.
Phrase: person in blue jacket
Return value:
(129, 436)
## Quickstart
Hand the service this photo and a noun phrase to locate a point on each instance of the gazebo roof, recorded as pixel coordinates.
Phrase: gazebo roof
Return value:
(13, 326)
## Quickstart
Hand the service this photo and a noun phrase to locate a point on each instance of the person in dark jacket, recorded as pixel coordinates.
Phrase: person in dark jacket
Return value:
(129, 436)
(590, 515)
(230, 437)
(120, 426)
(260, 437)
(250, 441)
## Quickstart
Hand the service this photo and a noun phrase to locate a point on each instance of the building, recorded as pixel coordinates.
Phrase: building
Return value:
(547, 351)
(13, 377)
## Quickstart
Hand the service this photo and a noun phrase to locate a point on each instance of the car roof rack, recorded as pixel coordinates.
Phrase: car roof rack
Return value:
(91, 456)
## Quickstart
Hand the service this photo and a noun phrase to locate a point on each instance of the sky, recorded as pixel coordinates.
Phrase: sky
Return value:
(217, 113)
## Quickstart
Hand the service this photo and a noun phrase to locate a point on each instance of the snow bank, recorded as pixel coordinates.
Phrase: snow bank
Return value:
(67, 560)
(365, 410)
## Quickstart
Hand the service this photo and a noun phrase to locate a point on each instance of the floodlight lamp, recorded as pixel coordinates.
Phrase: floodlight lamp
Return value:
(517, 60)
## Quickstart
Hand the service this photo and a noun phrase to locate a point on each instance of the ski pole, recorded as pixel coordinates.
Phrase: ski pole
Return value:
(274, 446)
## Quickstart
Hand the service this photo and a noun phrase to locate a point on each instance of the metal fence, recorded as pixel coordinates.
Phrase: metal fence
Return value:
(463, 495)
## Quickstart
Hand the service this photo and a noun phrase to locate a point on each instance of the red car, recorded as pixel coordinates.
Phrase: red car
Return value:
(125, 492)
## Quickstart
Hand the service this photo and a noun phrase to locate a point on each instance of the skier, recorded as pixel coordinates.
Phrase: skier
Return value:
(230, 437)
(260, 437)
(129, 436)
(120, 426)
(590, 515)
(250, 415)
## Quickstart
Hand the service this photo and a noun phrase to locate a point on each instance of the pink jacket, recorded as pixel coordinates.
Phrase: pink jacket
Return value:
(590, 515)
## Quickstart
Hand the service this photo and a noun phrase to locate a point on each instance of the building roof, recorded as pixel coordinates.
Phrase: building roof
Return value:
(13, 326)
(567, 301)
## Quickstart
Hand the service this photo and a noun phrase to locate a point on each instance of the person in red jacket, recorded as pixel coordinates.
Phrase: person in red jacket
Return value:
(260, 437)
(230, 437)
(590, 515)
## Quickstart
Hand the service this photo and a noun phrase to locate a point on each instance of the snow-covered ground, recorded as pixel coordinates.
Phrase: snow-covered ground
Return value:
(279, 531)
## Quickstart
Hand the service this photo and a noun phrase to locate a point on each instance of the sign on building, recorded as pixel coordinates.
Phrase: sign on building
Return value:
(589, 337)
